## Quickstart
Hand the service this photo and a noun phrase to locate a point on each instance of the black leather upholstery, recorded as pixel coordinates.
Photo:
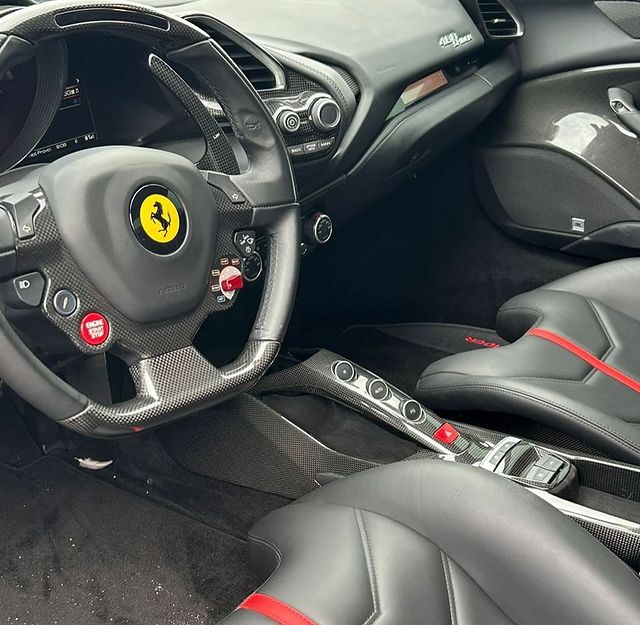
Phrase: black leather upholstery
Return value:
(435, 543)
(598, 310)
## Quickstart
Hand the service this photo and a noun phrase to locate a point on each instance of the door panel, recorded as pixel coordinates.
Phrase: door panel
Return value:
(559, 162)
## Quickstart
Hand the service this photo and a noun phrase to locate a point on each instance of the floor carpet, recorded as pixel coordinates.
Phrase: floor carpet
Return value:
(78, 551)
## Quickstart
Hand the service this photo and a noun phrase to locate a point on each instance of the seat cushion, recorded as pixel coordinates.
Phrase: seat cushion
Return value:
(574, 362)
(432, 542)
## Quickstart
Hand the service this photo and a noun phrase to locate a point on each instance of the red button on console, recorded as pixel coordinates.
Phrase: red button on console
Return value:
(94, 329)
(446, 434)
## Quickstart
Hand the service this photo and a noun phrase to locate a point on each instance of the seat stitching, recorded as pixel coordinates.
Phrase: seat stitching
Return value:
(570, 413)
(603, 327)
(450, 592)
(368, 554)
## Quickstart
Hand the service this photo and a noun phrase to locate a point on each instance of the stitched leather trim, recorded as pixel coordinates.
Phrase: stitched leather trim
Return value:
(588, 357)
(273, 609)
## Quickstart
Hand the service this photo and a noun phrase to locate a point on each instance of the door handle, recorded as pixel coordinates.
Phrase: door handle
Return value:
(624, 106)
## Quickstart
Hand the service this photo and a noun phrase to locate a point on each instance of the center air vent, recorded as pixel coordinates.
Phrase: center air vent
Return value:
(262, 70)
(257, 72)
(498, 21)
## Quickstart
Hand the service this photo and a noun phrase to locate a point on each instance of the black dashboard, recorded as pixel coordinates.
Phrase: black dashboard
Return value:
(361, 97)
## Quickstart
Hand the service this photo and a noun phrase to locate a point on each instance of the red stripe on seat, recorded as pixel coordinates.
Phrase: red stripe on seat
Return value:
(588, 357)
(275, 610)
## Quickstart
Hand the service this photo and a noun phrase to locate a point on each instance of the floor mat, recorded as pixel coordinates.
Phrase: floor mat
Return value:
(399, 353)
(75, 550)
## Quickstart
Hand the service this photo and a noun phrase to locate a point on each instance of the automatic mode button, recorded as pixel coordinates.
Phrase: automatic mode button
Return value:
(378, 389)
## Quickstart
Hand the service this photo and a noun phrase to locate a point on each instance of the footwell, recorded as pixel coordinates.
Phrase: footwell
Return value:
(75, 550)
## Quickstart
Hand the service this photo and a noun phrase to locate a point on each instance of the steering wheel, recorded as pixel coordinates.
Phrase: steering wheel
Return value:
(135, 233)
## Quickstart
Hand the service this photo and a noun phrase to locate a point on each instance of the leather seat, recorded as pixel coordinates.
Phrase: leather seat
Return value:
(574, 362)
(433, 543)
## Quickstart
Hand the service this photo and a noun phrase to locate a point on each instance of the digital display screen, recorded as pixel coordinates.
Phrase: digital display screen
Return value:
(72, 127)
(418, 90)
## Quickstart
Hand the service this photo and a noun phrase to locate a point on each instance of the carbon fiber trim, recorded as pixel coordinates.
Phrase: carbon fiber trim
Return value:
(248, 443)
(46, 253)
(316, 376)
(39, 22)
(620, 536)
(352, 83)
(219, 155)
(296, 85)
(170, 385)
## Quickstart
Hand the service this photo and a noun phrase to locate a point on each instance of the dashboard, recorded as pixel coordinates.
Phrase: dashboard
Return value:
(361, 98)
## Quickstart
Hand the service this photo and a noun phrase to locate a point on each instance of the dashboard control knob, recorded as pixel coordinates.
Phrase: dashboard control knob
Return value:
(325, 114)
(378, 389)
(344, 371)
(411, 410)
(318, 229)
(289, 121)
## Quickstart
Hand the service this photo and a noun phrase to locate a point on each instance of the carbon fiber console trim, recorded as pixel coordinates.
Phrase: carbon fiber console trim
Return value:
(622, 537)
(248, 443)
(316, 375)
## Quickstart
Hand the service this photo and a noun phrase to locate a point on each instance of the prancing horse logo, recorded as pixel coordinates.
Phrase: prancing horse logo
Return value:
(160, 219)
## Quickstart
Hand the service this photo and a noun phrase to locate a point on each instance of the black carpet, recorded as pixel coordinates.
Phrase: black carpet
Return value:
(76, 550)
(399, 353)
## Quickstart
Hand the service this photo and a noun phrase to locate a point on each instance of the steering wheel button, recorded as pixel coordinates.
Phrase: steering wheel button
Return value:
(23, 208)
(232, 284)
(24, 291)
(245, 241)
(94, 329)
(65, 303)
(231, 280)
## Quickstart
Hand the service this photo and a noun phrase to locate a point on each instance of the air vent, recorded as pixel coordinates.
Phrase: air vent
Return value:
(498, 22)
(259, 75)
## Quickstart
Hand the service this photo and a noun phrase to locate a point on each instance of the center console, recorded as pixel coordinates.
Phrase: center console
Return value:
(601, 495)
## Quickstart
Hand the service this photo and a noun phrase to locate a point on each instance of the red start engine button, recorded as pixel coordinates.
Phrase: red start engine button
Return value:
(94, 329)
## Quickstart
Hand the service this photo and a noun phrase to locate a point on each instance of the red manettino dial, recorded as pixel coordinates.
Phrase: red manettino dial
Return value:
(94, 329)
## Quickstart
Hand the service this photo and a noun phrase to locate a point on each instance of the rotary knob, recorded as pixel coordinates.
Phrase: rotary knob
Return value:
(318, 229)
(289, 121)
(325, 114)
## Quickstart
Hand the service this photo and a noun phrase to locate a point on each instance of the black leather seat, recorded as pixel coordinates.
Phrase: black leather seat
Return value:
(433, 543)
(574, 362)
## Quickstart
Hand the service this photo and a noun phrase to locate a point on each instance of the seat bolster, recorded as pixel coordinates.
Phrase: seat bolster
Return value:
(434, 542)
(615, 284)
(537, 565)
